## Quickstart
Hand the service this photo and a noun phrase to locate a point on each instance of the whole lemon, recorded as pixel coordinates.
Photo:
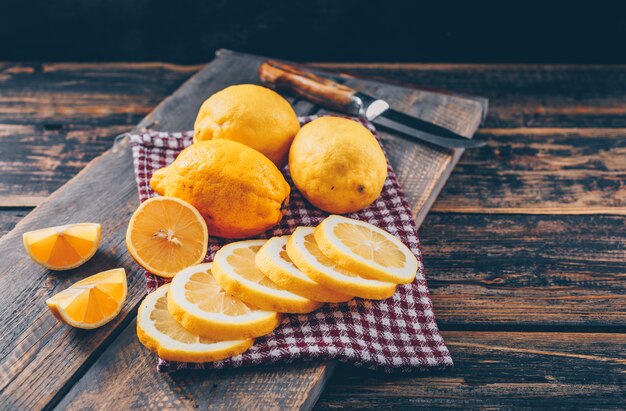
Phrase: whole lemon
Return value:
(253, 115)
(238, 191)
(337, 164)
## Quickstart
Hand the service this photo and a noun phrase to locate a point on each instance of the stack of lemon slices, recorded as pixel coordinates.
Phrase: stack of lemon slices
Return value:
(215, 310)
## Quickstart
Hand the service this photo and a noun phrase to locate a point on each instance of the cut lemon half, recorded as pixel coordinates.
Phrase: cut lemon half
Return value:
(201, 306)
(364, 248)
(273, 261)
(91, 302)
(307, 256)
(162, 334)
(235, 270)
(63, 247)
(166, 235)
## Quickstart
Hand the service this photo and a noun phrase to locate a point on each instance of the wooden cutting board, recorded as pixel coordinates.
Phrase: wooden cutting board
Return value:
(46, 364)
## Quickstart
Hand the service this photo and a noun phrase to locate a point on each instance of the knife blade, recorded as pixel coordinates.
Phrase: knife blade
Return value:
(336, 96)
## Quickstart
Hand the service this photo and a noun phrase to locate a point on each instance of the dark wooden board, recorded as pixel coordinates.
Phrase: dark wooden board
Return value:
(458, 248)
(526, 271)
(49, 351)
(55, 118)
(497, 370)
(9, 217)
(520, 95)
(541, 171)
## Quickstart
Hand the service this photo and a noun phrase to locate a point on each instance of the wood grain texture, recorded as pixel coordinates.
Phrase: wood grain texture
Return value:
(126, 357)
(503, 272)
(130, 381)
(9, 217)
(541, 171)
(55, 118)
(520, 95)
(526, 270)
(497, 370)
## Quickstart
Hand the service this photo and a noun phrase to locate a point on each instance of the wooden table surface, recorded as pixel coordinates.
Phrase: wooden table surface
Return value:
(525, 249)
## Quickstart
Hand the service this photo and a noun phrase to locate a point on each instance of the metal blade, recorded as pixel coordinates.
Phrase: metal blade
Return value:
(419, 124)
(445, 142)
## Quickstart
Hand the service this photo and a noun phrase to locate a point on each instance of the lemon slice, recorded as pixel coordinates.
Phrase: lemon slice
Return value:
(91, 302)
(273, 261)
(235, 270)
(166, 235)
(364, 248)
(201, 306)
(162, 334)
(307, 256)
(63, 247)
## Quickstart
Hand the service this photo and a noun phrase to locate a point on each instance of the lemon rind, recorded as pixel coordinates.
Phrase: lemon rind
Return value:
(287, 276)
(216, 325)
(252, 293)
(66, 267)
(334, 249)
(169, 349)
(358, 286)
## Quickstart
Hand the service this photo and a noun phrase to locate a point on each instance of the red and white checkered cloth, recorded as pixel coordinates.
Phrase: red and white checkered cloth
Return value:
(399, 333)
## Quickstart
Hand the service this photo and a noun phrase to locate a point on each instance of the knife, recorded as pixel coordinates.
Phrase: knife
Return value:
(342, 98)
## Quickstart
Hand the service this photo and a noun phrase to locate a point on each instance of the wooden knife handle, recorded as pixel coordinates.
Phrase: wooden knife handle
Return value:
(310, 86)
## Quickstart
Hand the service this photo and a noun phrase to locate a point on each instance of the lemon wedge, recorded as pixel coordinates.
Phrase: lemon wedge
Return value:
(91, 302)
(63, 247)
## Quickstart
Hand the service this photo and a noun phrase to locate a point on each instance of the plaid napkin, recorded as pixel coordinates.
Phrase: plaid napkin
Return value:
(399, 333)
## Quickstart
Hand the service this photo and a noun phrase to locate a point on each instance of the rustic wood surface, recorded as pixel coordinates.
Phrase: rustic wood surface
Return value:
(532, 305)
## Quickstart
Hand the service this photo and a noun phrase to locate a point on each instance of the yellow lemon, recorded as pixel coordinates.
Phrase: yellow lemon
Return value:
(235, 270)
(204, 308)
(238, 191)
(63, 247)
(337, 164)
(305, 253)
(162, 334)
(363, 248)
(252, 115)
(273, 261)
(165, 235)
(92, 301)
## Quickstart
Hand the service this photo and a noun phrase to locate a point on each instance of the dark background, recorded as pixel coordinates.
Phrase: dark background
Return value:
(189, 31)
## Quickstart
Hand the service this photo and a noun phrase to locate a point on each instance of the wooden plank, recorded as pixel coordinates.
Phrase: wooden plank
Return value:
(9, 217)
(55, 118)
(126, 357)
(131, 382)
(39, 356)
(94, 102)
(520, 95)
(512, 271)
(497, 370)
(541, 171)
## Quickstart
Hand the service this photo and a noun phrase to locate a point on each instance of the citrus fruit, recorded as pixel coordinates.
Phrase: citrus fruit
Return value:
(337, 164)
(63, 247)
(92, 301)
(252, 115)
(307, 256)
(162, 334)
(235, 270)
(273, 261)
(238, 190)
(165, 235)
(364, 248)
(201, 306)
